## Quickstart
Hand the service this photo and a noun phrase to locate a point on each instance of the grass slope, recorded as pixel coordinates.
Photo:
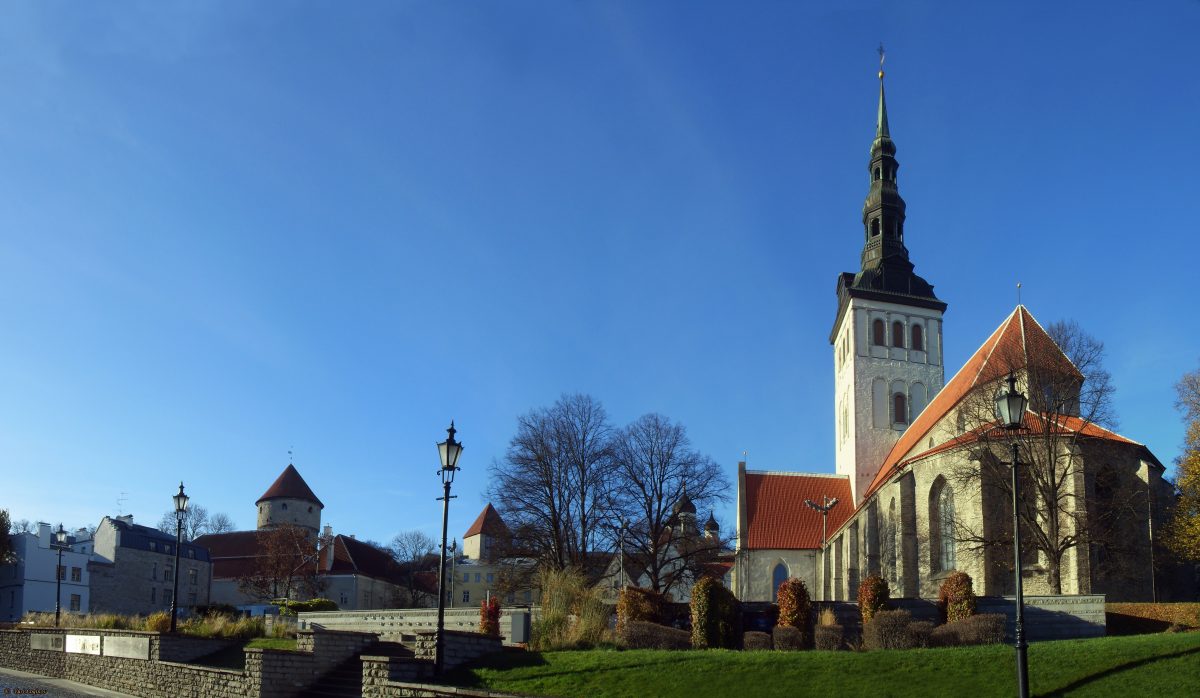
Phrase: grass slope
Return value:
(1166, 664)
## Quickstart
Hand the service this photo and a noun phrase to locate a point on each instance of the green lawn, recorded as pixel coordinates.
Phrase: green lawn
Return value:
(1157, 665)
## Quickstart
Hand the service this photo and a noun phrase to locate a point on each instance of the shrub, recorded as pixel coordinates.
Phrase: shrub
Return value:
(222, 609)
(639, 634)
(795, 607)
(872, 596)
(828, 637)
(889, 630)
(787, 638)
(158, 622)
(755, 640)
(715, 615)
(1137, 618)
(489, 617)
(920, 630)
(287, 607)
(983, 629)
(635, 603)
(956, 598)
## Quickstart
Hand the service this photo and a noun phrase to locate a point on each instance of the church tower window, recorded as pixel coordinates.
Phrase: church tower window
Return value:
(918, 338)
(879, 333)
(900, 408)
(898, 334)
(874, 227)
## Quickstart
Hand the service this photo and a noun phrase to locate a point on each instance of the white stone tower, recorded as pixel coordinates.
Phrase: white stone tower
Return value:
(887, 339)
(290, 501)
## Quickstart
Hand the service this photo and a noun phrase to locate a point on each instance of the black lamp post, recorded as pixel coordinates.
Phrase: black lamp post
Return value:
(1010, 408)
(181, 502)
(60, 538)
(449, 451)
(824, 508)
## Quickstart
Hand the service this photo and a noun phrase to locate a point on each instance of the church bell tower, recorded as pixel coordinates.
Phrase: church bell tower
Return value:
(887, 338)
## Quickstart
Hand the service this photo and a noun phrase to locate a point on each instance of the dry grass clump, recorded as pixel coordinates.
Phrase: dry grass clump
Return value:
(573, 616)
(211, 625)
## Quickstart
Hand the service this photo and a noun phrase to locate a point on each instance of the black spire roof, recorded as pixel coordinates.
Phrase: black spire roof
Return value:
(886, 272)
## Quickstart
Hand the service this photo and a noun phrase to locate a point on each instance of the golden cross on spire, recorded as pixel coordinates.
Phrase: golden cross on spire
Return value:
(881, 57)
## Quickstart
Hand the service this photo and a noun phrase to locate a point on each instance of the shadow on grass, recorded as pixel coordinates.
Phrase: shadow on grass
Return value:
(1080, 683)
(463, 677)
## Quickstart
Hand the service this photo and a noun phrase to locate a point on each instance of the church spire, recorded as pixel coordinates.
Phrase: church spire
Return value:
(881, 124)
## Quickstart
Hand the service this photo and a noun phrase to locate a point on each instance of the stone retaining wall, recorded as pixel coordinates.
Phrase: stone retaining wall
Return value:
(385, 677)
(391, 624)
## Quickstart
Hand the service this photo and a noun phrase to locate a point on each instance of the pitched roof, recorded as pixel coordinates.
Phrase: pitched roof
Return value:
(356, 557)
(1011, 347)
(289, 485)
(488, 522)
(233, 553)
(776, 516)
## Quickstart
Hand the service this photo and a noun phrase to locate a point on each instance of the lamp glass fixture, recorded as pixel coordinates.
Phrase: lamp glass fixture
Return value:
(61, 535)
(449, 450)
(181, 501)
(1010, 405)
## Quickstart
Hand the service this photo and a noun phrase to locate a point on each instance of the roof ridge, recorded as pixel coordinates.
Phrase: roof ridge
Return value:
(353, 562)
(795, 472)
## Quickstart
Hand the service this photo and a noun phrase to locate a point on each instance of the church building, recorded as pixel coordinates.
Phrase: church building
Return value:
(918, 485)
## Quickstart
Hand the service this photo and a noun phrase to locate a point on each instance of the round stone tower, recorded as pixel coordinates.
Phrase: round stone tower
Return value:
(290, 501)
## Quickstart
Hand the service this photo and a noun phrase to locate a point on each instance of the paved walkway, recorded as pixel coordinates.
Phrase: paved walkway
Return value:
(19, 683)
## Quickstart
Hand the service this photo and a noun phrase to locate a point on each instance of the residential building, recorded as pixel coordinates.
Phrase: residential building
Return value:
(28, 584)
(132, 569)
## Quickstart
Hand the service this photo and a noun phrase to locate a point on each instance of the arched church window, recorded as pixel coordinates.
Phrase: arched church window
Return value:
(918, 338)
(900, 408)
(778, 576)
(941, 525)
(898, 334)
(879, 333)
(874, 227)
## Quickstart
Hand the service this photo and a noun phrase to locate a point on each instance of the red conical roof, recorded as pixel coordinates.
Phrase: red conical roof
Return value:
(489, 522)
(289, 485)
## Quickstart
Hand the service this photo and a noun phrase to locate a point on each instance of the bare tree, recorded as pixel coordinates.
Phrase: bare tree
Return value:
(22, 526)
(286, 563)
(196, 522)
(659, 480)
(414, 552)
(5, 541)
(220, 523)
(554, 483)
(1070, 501)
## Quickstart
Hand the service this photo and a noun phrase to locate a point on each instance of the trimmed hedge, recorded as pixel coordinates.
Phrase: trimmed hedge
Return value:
(1139, 618)
(829, 637)
(755, 640)
(287, 607)
(956, 597)
(716, 616)
(983, 629)
(872, 596)
(635, 603)
(789, 639)
(795, 605)
(641, 635)
(889, 630)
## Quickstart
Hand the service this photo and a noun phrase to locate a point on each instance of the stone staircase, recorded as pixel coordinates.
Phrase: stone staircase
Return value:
(345, 680)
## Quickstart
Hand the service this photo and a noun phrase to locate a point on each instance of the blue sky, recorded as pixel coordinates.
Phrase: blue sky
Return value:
(231, 229)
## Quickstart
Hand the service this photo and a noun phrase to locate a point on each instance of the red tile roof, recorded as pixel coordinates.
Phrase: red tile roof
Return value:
(352, 556)
(1008, 349)
(776, 516)
(289, 485)
(488, 522)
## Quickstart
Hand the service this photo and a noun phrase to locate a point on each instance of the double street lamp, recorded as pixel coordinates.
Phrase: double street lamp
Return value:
(449, 451)
(181, 503)
(1010, 408)
(60, 543)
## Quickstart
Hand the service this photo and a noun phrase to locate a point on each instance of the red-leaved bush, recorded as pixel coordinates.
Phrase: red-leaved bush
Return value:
(872, 596)
(489, 617)
(956, 597)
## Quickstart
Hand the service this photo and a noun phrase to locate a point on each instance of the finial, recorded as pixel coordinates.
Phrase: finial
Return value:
(881, 57)
(1018, 293)
(290, 459)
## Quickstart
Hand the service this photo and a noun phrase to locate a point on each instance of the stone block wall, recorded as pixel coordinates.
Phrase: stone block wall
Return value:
(391, 624)
(389, 677)
(460, 647)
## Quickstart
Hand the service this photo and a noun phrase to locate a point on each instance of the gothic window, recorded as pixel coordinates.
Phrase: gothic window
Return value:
(894, 536)
(875, 227)
(898, 334)
(918, 338)
(900, 409)
(941, 525)
(879, 333)
(778, 576)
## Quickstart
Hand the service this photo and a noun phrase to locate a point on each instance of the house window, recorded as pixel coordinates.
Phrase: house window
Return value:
(76, 574)
(191, 554)
(918, 338)
(153, 595)
(192, 599)
(168, 573)
(466, 596)
(898, 334)
(778, 577)
(528, 596)
(75, 601)
(167, 596)
(900, 407)
(478, 577)
(153, 546)
(879, 333)
(512, 597)
(192, 577)
(466, 577)
(283, 506)
(342, 599)
(62, 572)
(154, 571)
(491, 578)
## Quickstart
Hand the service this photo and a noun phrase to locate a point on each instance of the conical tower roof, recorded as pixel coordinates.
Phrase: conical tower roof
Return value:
(289, 485)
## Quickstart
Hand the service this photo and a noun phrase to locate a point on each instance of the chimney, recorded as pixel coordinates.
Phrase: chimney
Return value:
(44, 535)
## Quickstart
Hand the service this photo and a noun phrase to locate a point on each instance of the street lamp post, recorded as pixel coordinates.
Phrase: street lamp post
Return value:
(181, 502)
(826, 504)
(449, 451)
(1010, 408)
(60, 538)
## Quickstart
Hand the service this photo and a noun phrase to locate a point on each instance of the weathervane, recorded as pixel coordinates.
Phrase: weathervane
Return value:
(881, 56)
